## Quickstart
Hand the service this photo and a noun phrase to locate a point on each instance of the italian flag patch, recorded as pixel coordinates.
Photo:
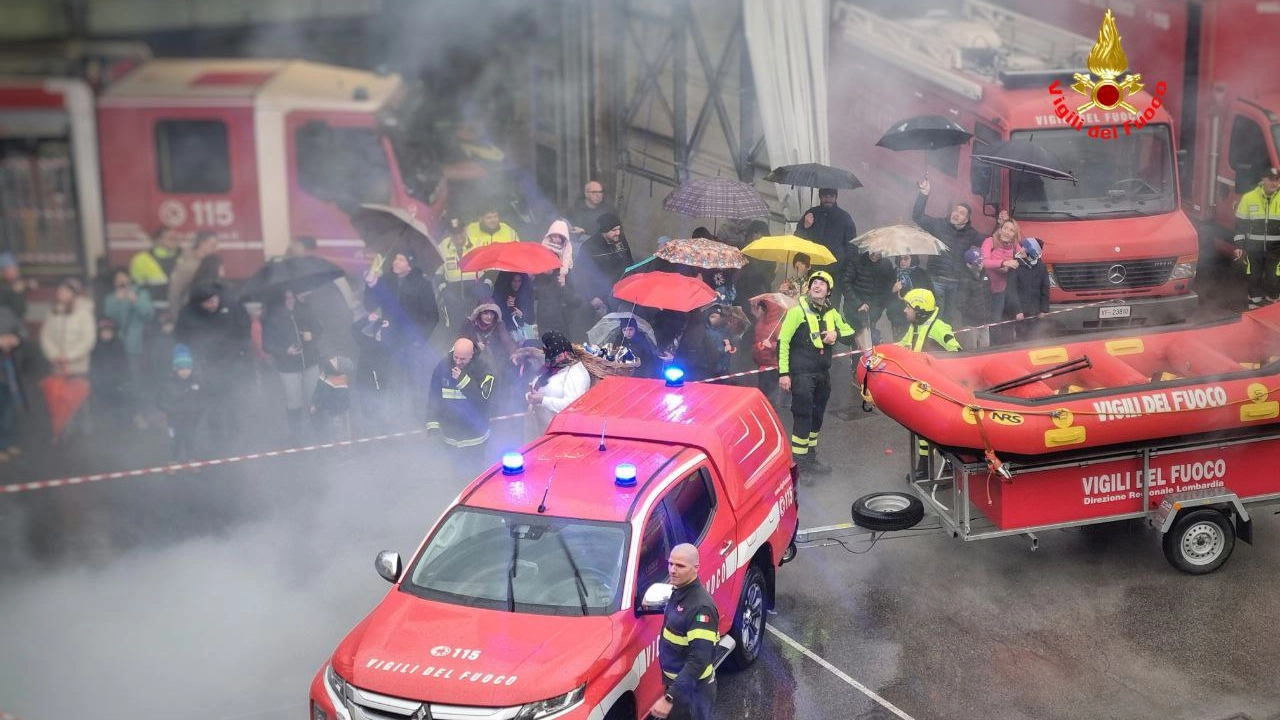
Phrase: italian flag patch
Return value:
(702, 618)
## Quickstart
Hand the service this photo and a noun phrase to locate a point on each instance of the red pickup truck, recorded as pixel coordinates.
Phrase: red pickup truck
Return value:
(524, 600)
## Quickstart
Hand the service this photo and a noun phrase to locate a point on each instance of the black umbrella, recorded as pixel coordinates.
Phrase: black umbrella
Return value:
(385, 229)
(1027, 157)
(299, 274)
(927, 132)
(814, 175)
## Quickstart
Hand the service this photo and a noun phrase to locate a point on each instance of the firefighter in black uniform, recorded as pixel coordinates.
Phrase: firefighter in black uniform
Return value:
(805, 346)
(689, 637)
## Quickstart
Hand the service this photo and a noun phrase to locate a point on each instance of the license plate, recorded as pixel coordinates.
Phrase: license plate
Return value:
(1113, 311)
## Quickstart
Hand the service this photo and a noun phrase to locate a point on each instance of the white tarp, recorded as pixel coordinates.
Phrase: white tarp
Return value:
(787, 43)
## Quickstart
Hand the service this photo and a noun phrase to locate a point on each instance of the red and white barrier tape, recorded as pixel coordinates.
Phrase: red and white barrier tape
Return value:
(197, 464)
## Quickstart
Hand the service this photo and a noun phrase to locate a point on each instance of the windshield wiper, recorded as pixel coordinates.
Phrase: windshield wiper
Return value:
(511, 571)
(577, 575)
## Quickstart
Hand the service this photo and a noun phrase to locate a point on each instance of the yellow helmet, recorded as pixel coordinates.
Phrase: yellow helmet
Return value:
(822, 275)
(921, 300)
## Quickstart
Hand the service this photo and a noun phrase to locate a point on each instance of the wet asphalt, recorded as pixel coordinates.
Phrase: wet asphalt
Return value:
(217, 594)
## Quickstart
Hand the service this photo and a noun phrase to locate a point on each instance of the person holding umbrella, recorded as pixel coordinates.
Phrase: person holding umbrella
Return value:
(832, 227)
(957, 232)
(458, 289)
(289, 336)
(805, 346)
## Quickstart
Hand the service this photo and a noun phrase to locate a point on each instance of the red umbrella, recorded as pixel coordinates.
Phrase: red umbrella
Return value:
(63, 394)
(520, 257)
(665, 291)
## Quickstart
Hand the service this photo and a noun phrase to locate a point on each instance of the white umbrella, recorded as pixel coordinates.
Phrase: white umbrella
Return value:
(600, 333)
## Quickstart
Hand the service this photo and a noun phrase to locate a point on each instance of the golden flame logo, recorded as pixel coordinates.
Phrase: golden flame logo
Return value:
(1107, 60)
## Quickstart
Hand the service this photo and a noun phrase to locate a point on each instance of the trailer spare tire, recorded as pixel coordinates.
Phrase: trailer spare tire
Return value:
(884, 511)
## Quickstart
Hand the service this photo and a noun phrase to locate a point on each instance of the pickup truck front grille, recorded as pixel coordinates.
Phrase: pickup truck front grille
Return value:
(367, 705)
(1122, 274)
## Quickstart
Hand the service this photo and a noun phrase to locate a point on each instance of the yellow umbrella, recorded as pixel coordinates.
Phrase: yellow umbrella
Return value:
(784, 248)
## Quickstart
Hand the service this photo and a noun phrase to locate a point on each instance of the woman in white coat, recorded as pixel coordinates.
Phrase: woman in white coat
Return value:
(67, 338)
(563, 379)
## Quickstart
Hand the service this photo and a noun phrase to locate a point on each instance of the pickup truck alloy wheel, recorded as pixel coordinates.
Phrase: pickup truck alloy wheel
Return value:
(884, 511)
(1200, 541)
(748, 623)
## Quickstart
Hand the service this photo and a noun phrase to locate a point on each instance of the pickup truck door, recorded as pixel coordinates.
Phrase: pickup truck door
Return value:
(700, 514)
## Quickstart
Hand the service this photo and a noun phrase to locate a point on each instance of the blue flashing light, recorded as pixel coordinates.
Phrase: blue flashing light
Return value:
(674, 375)
(625, 475)
(512, 463)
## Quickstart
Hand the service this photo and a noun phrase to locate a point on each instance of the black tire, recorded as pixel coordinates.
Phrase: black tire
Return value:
(749, 620)
(1200, 541)
(624, 709)
(885, 511)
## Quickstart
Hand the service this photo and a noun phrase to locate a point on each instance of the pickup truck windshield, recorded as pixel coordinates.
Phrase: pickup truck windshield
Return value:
(1127, 176)
(522, 563)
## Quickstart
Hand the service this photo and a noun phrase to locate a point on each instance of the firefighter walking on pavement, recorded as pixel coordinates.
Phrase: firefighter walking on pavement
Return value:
(1258, 235)
(689, 636)
(806, 342)
(926, 332)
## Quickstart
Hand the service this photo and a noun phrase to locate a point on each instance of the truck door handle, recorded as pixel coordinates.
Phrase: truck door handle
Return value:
(724, 550)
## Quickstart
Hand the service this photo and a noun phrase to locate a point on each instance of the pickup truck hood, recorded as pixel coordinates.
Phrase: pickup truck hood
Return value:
(425, 650)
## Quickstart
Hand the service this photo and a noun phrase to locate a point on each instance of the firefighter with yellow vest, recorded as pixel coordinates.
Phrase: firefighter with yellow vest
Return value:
(1258, 235)
(927, 331)
(690, 631)
(805, 346)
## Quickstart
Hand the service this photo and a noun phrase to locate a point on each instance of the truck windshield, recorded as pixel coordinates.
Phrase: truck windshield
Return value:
(522, 563)
(343, 164)
(1124, 177)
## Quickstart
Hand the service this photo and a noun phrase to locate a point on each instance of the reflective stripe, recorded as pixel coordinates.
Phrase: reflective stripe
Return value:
(467, 443)
(799, 449)
(465, 381)
(452, 394)
(673, 638)
(705, 673)
(711, 635)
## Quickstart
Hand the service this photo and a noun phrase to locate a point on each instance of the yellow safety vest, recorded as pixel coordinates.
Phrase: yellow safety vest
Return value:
(1258, 216)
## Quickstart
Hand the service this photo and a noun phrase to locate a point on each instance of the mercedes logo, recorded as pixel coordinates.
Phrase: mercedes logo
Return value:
(1116, 274)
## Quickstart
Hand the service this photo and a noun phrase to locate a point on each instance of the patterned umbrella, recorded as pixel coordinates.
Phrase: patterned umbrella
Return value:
(702, 253)
(716, 198)
(896, 240)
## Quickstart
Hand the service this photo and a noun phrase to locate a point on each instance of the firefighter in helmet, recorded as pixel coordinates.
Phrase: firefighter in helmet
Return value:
(927, 331)
(806, 342)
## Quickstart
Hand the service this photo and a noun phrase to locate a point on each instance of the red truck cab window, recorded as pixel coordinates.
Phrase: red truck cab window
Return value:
(192, 156)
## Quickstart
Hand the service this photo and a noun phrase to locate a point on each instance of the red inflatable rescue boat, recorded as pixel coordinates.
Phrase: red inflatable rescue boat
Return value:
(1111, 389)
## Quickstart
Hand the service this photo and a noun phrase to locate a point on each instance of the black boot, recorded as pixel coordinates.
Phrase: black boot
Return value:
(810, 464)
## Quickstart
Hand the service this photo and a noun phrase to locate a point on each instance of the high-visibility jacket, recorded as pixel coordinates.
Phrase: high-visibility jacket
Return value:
(1258, 217)
(690, 631)
(479, 237)
(934, 331)
(800, 346)
(449, 269)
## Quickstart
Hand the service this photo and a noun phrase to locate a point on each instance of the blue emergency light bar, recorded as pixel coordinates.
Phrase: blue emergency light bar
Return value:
(625, 475)
(674, 375)
(512, 463)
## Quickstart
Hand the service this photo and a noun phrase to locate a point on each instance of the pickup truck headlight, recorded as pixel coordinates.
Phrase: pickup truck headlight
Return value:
(551, 706)
(1183, 271)
(336, 684)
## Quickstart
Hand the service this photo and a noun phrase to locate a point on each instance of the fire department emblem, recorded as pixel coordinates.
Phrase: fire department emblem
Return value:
(1107, 61)
(173, 213)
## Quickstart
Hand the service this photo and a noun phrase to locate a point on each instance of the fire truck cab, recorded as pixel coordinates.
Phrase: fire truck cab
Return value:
(525, 599)
(1119, 249)
(257, 152)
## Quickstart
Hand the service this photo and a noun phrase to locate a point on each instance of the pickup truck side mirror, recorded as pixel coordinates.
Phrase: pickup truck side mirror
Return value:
(655, 599)
(388, 565)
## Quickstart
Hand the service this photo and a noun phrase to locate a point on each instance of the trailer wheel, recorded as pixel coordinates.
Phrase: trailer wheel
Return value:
(1200, 541)
(884, 511)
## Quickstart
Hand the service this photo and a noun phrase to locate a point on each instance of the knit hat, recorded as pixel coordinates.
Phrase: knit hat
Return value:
(181, 357)
(973, 256)
(554, 343)
(607, 222)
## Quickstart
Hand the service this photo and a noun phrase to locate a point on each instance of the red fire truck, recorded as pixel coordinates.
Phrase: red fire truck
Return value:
(258, 152)
(1218, 61)
(1118, 246)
